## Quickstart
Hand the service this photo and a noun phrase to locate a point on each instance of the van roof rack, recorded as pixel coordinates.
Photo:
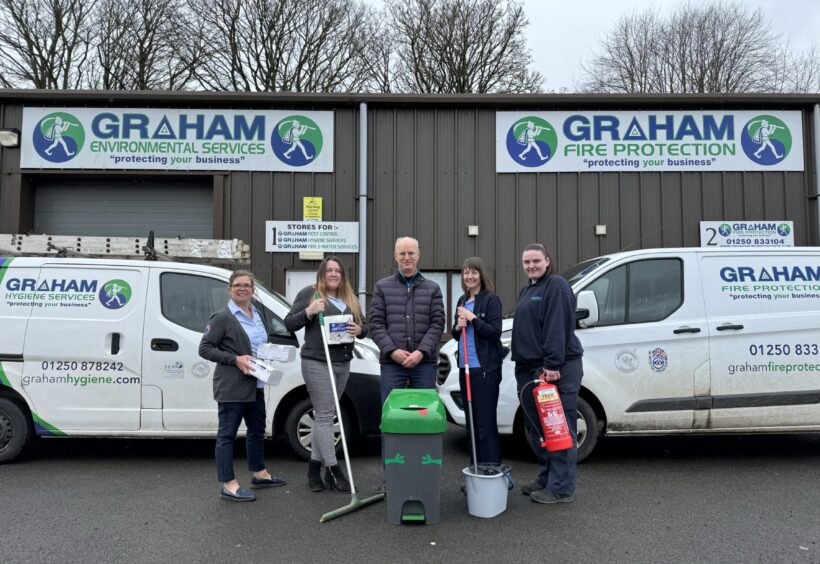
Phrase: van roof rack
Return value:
(146, 248)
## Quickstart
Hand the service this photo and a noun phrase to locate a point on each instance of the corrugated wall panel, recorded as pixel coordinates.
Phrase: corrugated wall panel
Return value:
(432, 172)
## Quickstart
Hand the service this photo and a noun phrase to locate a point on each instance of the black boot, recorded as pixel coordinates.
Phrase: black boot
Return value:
(315, 476)
(335, 480)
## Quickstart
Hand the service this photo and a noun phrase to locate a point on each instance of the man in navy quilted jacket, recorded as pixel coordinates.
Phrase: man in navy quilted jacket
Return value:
(407, 320)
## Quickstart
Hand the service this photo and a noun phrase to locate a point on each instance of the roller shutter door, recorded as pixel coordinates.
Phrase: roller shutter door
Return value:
(122, 207)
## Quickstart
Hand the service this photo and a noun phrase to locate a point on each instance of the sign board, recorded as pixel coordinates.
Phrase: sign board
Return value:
(312, 209)
(747, 234)
(177, 139)
(648, 141)
(299, 236)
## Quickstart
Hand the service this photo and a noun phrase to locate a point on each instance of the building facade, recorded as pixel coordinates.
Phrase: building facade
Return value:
(585, 175)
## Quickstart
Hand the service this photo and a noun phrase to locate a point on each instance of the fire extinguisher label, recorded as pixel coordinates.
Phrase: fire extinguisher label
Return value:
(548, 394)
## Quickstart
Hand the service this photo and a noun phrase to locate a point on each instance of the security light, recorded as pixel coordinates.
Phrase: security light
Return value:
(9, 137)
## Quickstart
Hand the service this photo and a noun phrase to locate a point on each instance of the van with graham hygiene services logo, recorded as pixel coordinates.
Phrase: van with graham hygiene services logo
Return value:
(109, 348)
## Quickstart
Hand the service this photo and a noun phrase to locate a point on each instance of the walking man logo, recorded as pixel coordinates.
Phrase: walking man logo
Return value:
(58, 137)
(766, 140)
(531, 141)
(296, 140)
(115, 293)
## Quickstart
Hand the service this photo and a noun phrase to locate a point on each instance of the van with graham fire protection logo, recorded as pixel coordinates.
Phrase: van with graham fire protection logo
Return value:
(687, 340)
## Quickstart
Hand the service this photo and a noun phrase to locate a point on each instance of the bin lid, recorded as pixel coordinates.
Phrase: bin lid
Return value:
(413, 411)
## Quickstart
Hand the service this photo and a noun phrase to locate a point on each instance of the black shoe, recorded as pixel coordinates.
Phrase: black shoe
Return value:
(240, 495)
(544, 496)
(315, 482)
(271, 482)
(335, 480)
(529, 489)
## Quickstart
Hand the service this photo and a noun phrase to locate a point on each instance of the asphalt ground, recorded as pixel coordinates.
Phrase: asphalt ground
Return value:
(656, 499)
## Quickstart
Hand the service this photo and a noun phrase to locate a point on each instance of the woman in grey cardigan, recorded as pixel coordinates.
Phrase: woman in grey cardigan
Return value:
(335, 297)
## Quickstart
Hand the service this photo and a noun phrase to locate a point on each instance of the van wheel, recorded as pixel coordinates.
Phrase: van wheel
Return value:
(15, 430)
(588, 429)
(299, 425)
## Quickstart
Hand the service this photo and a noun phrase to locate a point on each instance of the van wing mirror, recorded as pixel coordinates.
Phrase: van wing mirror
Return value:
(586, 311)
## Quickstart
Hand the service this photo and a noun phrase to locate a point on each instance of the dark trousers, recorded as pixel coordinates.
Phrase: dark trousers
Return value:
(423, 375)
(231, 414)
(556, 469)
(484, 392)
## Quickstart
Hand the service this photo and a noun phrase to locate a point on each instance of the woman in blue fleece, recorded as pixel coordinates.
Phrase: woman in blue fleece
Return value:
(544, 342)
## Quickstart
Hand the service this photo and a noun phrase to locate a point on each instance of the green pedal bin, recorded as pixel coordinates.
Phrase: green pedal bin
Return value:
(413, 422)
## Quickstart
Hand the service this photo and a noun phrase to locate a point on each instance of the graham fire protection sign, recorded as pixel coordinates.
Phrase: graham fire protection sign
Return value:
(648, 141)
(174, 139)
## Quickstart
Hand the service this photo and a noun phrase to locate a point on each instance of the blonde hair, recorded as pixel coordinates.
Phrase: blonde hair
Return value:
(344, 292)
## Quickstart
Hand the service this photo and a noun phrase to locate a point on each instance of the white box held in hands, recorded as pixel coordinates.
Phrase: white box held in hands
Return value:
(337, 329)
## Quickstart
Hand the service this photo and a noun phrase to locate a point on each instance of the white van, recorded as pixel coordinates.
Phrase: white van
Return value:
(688, 340)
(108, 348)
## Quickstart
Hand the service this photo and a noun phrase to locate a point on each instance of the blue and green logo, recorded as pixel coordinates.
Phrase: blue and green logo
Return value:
(725, 229)
(783, 229)
(766, 140)
(532, 141)
(296, 140)
(114, 294)
(58, 137)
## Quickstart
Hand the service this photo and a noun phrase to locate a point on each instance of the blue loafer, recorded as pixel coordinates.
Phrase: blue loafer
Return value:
(240, 495)
(271, 482)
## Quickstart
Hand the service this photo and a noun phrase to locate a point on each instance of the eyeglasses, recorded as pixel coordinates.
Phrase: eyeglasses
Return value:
(242, 286)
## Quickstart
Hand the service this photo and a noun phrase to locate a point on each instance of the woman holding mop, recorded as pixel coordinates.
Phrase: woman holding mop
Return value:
(479, 313)
(333, 297)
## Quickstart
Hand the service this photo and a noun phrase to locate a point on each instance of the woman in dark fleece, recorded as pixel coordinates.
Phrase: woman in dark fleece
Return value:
(544, 345)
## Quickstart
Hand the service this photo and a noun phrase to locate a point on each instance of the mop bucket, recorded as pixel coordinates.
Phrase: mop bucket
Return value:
(487, 489)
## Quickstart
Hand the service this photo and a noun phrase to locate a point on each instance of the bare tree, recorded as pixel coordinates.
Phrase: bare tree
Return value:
(452, 46)
(283, 45)
(721, 47)
(144, 45)
(44, 43)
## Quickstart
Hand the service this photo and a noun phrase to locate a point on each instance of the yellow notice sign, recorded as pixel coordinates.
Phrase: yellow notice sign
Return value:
(312, 209)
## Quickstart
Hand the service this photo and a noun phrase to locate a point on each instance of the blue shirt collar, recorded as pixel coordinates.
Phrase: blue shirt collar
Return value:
(234, 309)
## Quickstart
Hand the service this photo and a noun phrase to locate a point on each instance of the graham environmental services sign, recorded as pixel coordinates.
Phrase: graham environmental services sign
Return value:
(168, 139)
(650, 141)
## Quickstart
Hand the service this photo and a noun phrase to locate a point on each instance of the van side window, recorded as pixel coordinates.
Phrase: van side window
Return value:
(190, 300)
(639, 292)
(276, 327)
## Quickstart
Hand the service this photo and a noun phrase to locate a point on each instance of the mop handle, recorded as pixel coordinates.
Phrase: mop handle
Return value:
(322, 327)
(466, 362)
(469, 398)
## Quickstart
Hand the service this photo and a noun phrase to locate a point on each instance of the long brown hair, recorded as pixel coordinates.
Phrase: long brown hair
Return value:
(344, 292)
(477, 264)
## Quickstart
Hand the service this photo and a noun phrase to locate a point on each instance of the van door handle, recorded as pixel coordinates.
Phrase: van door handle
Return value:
(164, 345)
(729, 327)
(115, 343)
(680, 330)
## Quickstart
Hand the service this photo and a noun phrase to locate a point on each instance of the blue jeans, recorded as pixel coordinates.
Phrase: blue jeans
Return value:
(556, 470)
(231, 414)
(484, 391)
(423, 375)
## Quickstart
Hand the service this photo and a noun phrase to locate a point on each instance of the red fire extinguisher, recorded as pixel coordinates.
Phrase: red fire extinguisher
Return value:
(556, 435)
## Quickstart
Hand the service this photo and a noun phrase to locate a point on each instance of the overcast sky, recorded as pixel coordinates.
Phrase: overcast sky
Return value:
(564, 32)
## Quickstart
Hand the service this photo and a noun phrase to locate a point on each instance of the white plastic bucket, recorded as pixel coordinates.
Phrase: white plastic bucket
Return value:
(487, 489)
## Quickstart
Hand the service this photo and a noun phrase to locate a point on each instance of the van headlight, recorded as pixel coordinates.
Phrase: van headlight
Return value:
(366, 351)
